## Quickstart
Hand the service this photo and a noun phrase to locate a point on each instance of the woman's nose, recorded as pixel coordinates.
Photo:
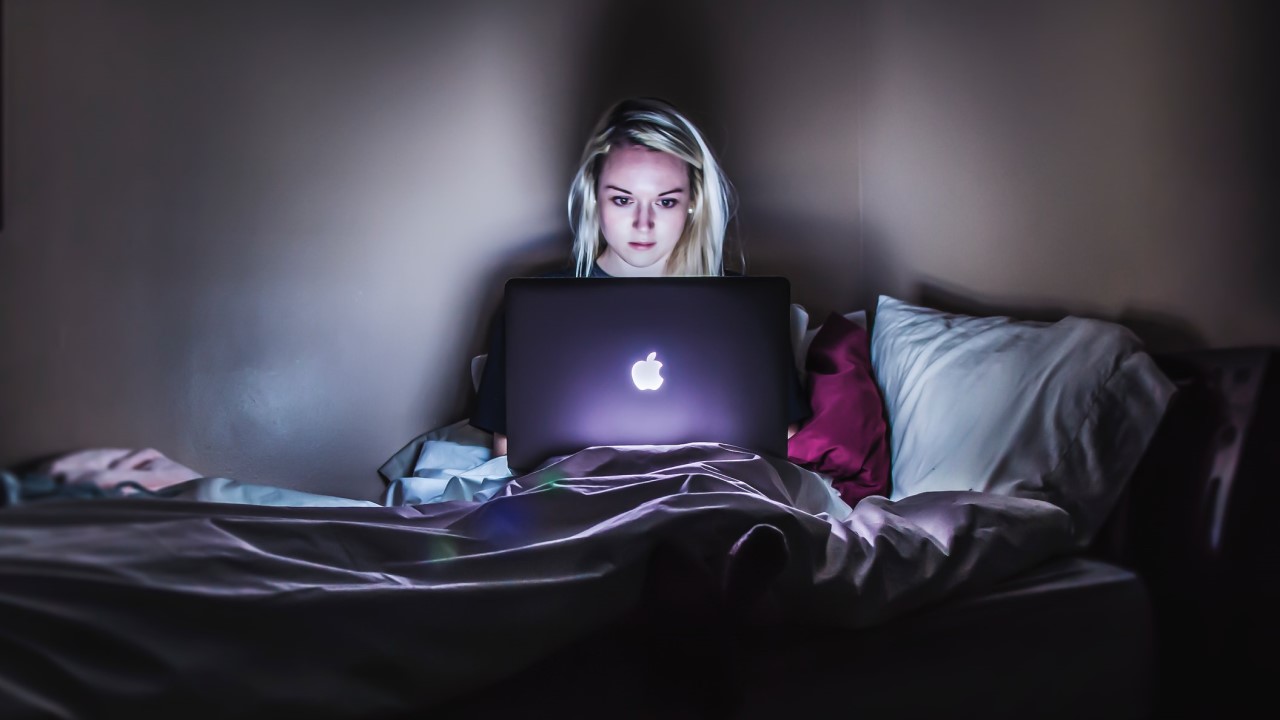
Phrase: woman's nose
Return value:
(644, 217)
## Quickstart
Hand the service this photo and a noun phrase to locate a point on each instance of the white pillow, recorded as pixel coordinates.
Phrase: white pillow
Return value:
(1060, 412)
(802, 336)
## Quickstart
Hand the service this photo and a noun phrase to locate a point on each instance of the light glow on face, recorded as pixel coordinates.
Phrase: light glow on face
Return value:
(644, 206)
(647, 373)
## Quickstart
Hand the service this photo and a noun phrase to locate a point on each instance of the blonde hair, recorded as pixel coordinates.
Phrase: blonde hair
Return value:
(656, 125)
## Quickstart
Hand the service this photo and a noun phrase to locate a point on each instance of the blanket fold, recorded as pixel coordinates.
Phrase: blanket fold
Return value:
(136, 605)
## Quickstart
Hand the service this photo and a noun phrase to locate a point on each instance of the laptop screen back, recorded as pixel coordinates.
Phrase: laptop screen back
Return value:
(645, 361)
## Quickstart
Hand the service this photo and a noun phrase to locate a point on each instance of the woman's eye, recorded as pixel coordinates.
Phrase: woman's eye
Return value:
(668, 202)
(621, 201)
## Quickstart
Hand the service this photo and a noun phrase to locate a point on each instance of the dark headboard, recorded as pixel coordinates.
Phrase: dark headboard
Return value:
(1199, 519)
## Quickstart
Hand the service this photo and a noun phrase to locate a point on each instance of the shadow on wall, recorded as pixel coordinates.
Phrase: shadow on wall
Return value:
(884, 274)
(630, 53)
(788, 244)
(1257, 56)
(635, 56)
(532, 257)
(1159, 332)
(679, 61)
(663, 49)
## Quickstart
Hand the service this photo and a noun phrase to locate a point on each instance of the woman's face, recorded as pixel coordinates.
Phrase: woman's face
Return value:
(644, 205)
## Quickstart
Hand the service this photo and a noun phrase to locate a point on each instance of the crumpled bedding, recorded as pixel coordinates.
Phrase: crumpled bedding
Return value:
(223, 609)
(453, 462)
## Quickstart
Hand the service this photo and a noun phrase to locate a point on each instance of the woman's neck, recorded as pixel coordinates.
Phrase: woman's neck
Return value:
(615, 266)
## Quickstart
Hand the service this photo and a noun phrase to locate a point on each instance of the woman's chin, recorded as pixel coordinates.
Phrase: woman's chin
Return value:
(634, 264)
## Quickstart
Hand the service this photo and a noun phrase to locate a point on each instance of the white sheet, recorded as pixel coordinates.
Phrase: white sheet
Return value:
(384, 610)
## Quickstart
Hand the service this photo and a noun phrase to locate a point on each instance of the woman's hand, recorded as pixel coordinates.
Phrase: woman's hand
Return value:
(791, 430)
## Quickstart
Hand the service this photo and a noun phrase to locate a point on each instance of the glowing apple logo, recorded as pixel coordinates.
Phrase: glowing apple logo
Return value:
(647, 373)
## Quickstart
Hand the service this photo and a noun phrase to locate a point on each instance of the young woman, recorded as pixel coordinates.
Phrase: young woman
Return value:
(648, 200)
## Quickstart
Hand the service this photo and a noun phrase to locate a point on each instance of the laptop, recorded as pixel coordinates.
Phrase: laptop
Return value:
(645, 361)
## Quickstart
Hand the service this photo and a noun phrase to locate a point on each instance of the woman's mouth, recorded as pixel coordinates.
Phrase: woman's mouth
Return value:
(641, 246)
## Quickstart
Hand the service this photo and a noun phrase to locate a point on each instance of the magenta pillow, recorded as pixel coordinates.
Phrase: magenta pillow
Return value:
(846, 438)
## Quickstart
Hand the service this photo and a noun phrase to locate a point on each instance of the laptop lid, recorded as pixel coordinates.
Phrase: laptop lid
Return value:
(645, 361)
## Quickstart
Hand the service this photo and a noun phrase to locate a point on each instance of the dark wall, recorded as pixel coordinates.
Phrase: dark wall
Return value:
(265, 238)
(1108, 158)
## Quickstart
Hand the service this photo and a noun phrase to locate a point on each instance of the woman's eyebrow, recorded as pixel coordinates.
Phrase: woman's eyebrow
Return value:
(624, 190)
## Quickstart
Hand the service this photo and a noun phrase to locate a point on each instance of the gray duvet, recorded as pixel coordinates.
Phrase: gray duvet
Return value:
(226, 610)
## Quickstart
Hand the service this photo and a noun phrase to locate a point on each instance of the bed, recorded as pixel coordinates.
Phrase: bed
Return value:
(572, 592)
(1169, 612)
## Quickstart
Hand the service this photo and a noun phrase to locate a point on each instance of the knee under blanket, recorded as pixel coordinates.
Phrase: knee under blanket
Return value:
(230, 610)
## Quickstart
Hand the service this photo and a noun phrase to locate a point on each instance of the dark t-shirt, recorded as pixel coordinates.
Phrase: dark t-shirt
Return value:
(490, 413)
